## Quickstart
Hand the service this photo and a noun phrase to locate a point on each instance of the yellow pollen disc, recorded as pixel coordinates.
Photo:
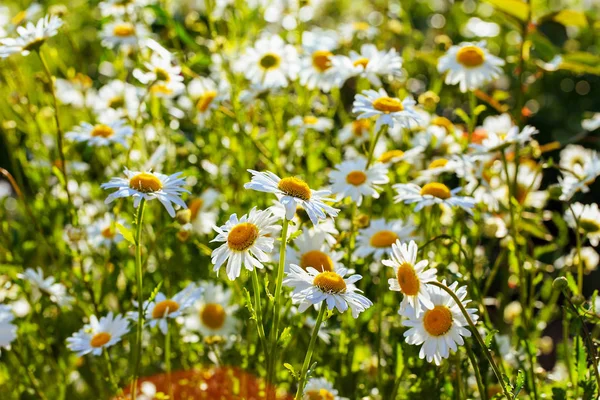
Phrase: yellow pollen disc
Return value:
(390, 155)
(102, 130)
(442, 122)
(295, 187)
(310, 120)
(521, 193)
(269, 61)
(205, 100)
(213, 315)
(316, 259)
(124, 30)
(164, 308)
(436, 189)
(440, 162)
(408, 279)
(321, 60)
(360, 26)
(145, 183)
(242, 236)
(356, 178)
(195, 206)
(437, 321)
(330, 282)
(361, 61)
(383, 239)
(162, 75)
(108, 233)
(160, 89)
(388, 105)
(360, 127)
(116, 102)
(589, 225)
(100, 339)
(319, 394)
(470, 56)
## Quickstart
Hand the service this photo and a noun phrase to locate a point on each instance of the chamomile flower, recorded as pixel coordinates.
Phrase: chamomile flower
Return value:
(430, 194)
(529, 180)
(103, 133)
(411, 277)
(589, 260)
(591, 124)
(319, 124)
(588, 216)
(359, 29)
(248, 242)
(55, 290)
(357, 132)
(160, 68)
(377, 239)
(213, 313)
(31, 36)
(589, 172)
(396, 155)
(205, 96)
(117, 95)
(148, 185)
(370, 64)
(441, 328)
(203, 214)
(388, 110)
(104, 232)
(293, 192)
(315, 69)
(320, 389)
(574, 158)
(313, 251)
(122, 33)
(311, 287)
(163, 308)
(270, 63)
(98, 334)
(497, 141)
(353, 179)
(8, 331)
(470, 65)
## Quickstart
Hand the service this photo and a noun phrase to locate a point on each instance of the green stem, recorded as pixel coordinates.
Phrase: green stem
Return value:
(111, 376)
(34, 382)
(168, 359)
(579, 260)
(258, 310)
(373, 144)
(309, 353)
(475, 364)
(380, 309)
(473, 120)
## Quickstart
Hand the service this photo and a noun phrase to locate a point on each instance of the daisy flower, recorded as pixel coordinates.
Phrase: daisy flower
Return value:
(497, 141)
(117, 95)
(358, 132)
(31, 36)
(103, 133)
(248, 242)
(589, 172)
(359, 29)
(320, 389)
(388, 110)
(311, 287)
(591, 124)
(574, 158)
(353, 179)
(319, 124)
(8, 331)
(213, 313)
(98, 334)
(293, 192)
(370, 64)
(396, 155)
(160, 68)
(529, 180)
(162, 307)
(411, 277)
(315, 70)
(313, 251)
(148, 185)
(55, 290)
(104, 233)
(432, 193)
(203, 215)
(441, 328)
(270, 63)
(588, 216)
(377, 239)
(205, 96)
(470, 65)
(589, 260)
(122, 33)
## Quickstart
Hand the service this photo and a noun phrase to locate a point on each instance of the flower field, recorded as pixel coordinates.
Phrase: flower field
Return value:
(299, 199)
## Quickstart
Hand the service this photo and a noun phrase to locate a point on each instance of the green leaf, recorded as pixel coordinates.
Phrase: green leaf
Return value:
(581, 63)
(462, 115)
(571, 18)
(559, 394)
(479, 109)
(515, 8)
(61, 178)
(399, 361)
(520, 382)
(489, 337)
(291, 369)
(126, 233)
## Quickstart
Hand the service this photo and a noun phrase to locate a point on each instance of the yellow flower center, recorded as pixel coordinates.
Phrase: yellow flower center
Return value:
(442, 122)
(436, 189)
(319, 394)
(330, 282)
(145, 183)
(108, 233)
(316, 259)
(361, 61)
(195, 206)
(437, 321)
(164, 308)
(390, 155)
(470, 56)
(19, 17)
(388, 105)
(383, 239)
(124, 30)
(408, 279)
(521, 193)
(159, 88)
(102, 130)
(116, 102)
(321, 60)
(242, 236)
(100, 339)
(361, 26)
(356, 178)
(295, 187)
(162, 75)
(205, 100)
(270, 61)
(440, 162)
(213, 315)
(360, 126)
(589, 225)
(310, 120)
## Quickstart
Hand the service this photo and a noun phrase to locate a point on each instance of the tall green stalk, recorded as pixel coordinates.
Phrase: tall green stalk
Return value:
(258, 310)
(139, 276)
(309, 352)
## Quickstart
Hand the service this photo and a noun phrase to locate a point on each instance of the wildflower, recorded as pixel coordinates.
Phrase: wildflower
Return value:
(359, 29)
(370, 64)
(315, 70)
(55, 290)
(588, 218)
(311, 287)
(248, 242)
(589, 259)
(357, 131)
(378, 238)
(204, 96)
(432, 193)
(119, 96)
(320, 389)
(122, 33)
(470, 65)
(31, 36)
(574, 158)
(203, 216)
(318, 124)
(102, 134)
(388, 110)
(411, 277)
(591, 124)
(441, 328)
(313, 251)
(589, 172)
(98, 334)
(163, 308)
(103, 232)
(499, 141)
(213, 313)
(160, 68)
(8, 331)
(353, 179)
(396, 155)
(148, 185)
(292, 192)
